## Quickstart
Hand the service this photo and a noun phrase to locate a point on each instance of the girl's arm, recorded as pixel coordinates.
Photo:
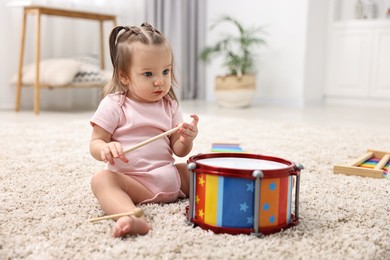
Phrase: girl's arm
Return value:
(101, 147)
(182, 140)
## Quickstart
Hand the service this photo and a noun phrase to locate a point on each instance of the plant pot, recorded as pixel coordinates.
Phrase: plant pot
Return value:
(235, 91)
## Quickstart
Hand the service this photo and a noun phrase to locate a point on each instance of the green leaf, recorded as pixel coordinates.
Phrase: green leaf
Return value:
(237, 50)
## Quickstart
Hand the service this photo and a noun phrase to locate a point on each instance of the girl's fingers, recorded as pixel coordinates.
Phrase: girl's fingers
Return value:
(103, 156)
(108, 158)
(110, 152)
(124, 159)
(114, 150)
(189, 130)
(120, 153)
(195, 119)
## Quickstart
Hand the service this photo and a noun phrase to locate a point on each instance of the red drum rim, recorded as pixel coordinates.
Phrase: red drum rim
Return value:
(246, 231)
(243, 173)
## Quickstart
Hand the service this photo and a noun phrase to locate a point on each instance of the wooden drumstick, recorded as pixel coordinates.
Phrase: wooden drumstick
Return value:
(153, 139)
(137, 212)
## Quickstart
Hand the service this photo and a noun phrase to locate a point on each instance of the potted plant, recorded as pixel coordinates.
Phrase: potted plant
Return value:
(237, 87)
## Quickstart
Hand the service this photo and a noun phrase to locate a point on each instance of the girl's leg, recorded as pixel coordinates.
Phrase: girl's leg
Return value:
(184, 177)
(119, 193)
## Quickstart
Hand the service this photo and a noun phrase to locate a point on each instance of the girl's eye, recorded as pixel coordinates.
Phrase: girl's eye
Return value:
(166, 72)
(148, 74)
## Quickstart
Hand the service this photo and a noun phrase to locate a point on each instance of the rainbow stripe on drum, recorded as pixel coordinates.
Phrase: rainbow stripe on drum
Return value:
(229, 202)
(224, 201)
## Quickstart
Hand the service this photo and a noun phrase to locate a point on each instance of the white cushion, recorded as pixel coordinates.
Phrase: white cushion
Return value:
(89, 71)
(52, 72)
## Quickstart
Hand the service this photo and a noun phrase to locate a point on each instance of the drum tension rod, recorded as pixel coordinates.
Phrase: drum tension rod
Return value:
(191, 167)
(258, 174)
(298, 168)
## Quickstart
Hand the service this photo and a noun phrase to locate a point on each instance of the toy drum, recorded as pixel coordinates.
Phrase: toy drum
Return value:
(240, 193)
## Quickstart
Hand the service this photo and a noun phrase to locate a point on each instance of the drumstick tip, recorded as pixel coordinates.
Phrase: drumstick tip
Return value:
(138, 212)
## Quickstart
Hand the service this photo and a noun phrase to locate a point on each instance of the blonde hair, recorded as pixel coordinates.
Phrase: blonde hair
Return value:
(120, 39)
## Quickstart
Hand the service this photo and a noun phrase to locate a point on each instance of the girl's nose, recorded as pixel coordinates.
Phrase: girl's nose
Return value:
(158, 82)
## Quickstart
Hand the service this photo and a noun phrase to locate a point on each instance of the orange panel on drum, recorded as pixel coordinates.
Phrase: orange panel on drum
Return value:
(269, 202)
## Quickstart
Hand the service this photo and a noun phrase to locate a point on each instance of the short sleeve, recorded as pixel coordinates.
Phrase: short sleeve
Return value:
(107, 115)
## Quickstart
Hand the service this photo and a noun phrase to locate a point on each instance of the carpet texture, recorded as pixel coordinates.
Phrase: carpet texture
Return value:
(46, 197)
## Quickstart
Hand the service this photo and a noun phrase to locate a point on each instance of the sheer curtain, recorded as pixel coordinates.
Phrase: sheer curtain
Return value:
(183, 22)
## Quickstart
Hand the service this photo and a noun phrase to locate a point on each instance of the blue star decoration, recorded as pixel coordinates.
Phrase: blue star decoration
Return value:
(250, 220)
(243, 207)
(250, 187)
(272, 219)
(272, 186)
(266, 206)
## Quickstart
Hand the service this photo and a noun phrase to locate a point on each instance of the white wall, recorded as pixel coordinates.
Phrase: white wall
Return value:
(60, 37)
(8, 52)
(315, 54)
(281, 73)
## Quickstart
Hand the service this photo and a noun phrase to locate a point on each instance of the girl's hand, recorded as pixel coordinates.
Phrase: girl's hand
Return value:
(188, 132)
(112, 151)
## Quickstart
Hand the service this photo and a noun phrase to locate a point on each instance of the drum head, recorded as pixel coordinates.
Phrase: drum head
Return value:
(242, 163)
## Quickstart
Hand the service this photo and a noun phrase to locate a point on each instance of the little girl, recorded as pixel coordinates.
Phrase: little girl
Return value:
(139, 103)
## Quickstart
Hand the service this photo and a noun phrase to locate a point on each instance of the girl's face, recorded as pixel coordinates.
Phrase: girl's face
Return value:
(150, 72)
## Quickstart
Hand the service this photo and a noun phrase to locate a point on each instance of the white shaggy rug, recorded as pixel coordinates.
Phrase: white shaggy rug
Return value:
(45, 196)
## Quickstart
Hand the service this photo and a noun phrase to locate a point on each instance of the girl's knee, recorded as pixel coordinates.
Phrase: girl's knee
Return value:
(98, 179)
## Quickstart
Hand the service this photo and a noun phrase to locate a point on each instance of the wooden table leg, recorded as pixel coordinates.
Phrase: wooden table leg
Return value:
(37, 59)
(20, 68)
(102, 63)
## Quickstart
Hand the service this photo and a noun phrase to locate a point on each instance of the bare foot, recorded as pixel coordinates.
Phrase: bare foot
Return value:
(130, 225)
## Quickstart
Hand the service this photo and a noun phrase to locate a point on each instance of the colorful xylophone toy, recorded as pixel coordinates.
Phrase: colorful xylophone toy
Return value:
(226, 147)
(374, 163)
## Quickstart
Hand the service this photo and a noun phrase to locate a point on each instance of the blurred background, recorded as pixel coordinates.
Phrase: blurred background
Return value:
(317, 52)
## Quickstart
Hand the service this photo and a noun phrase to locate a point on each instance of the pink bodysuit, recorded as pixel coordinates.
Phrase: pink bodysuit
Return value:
(131, 122)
